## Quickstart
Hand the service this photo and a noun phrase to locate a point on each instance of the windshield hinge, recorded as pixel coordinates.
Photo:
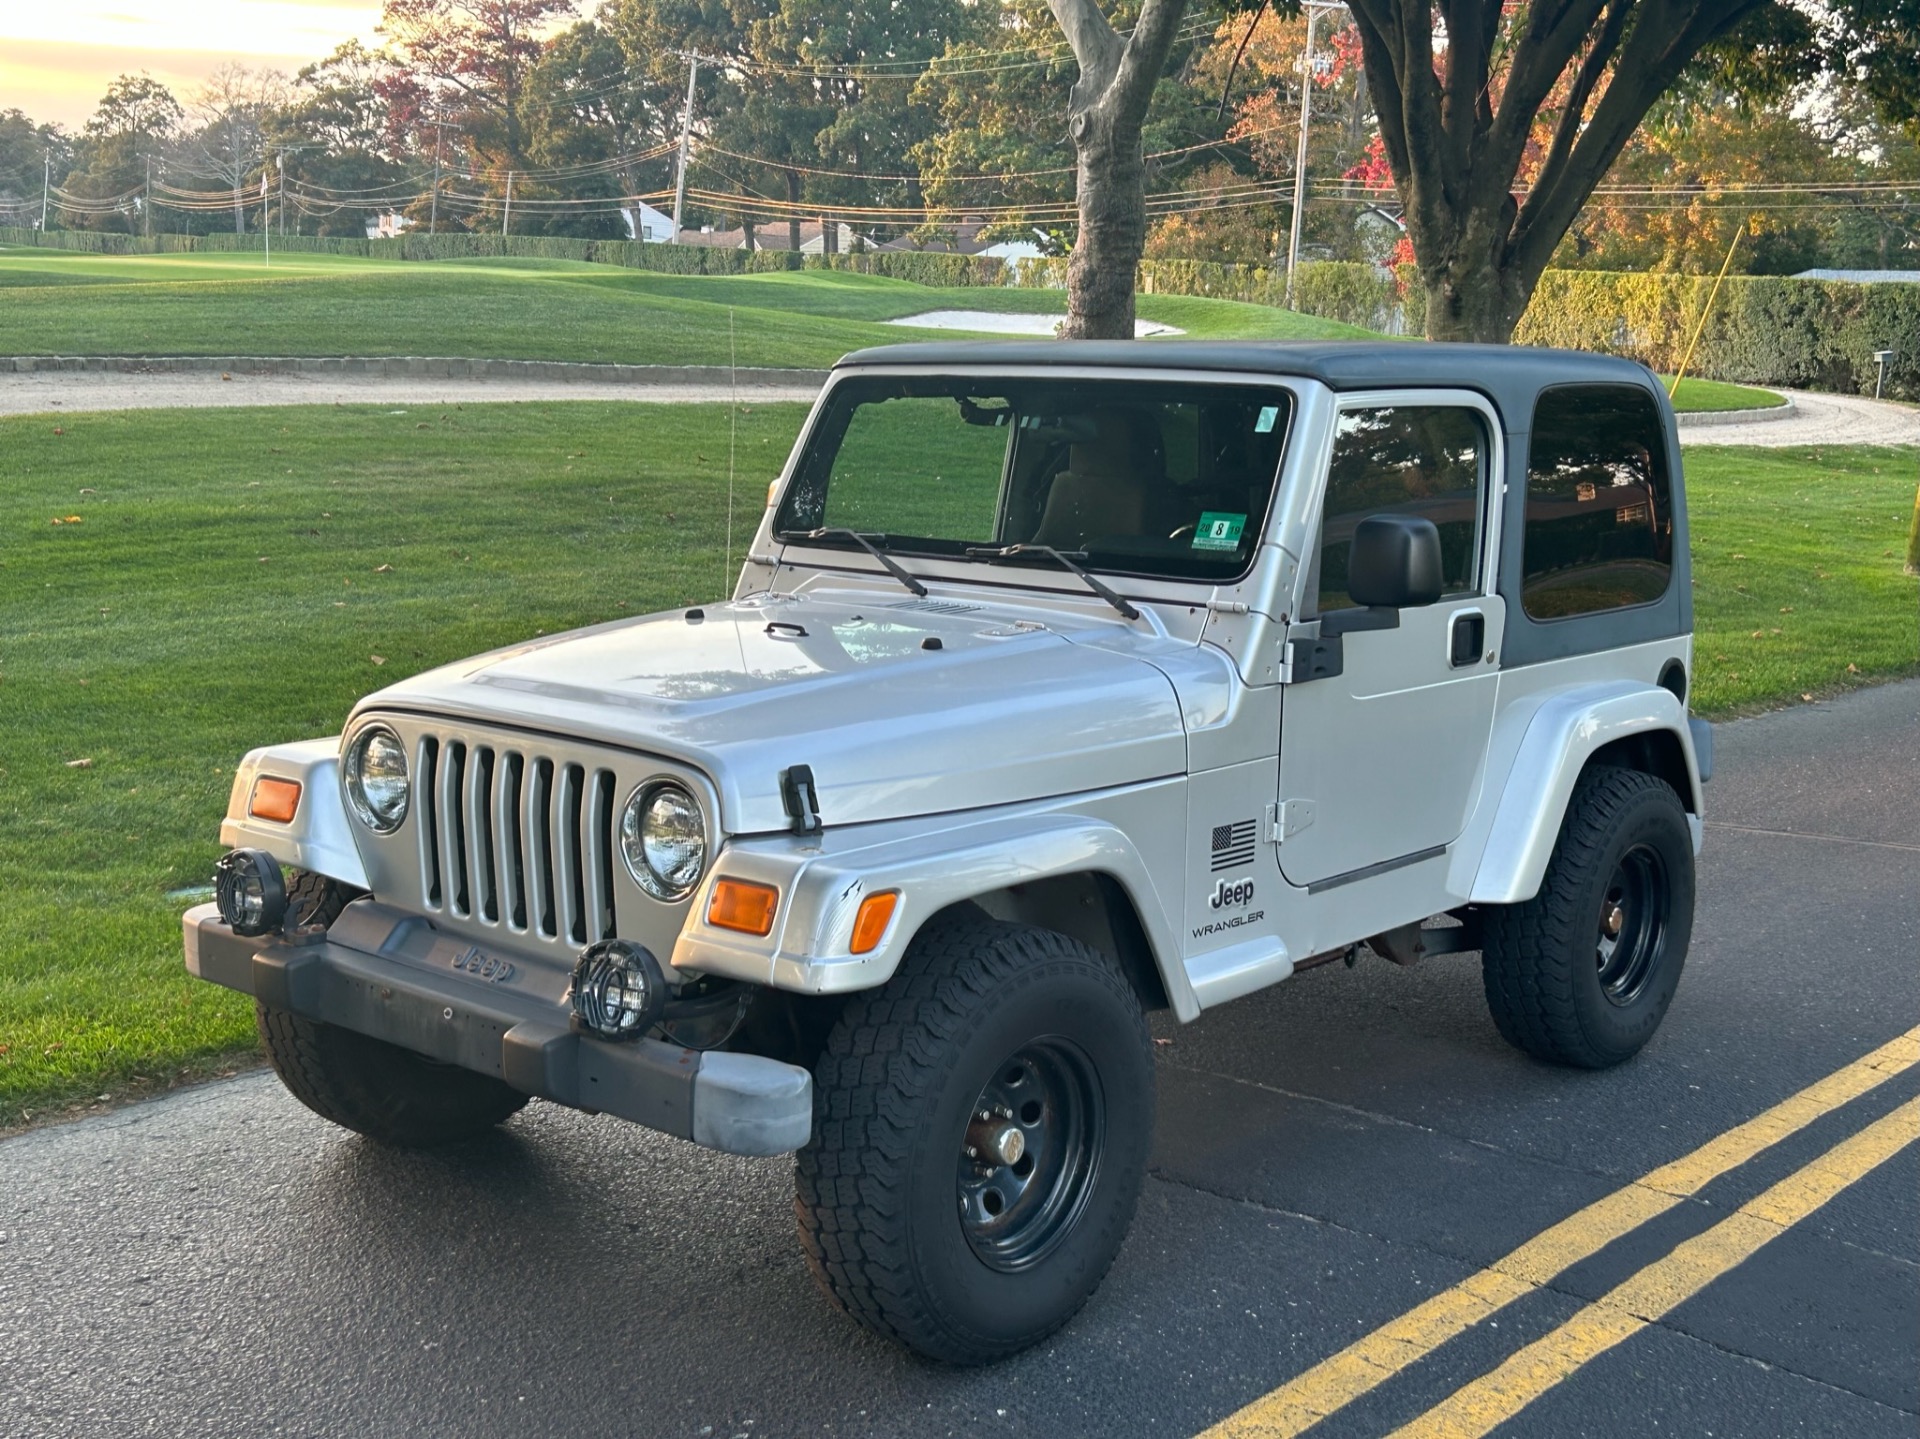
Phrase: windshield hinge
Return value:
(801, 799)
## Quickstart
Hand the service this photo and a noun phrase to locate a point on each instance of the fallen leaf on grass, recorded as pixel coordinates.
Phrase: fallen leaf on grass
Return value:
(89, 492)
(79, 764)
(378, 659)
(1807, 698)
(383, 569)
(263, 559)
(69, 520)
(1853, 669)
(1786, 609)
(52, 1047)
(58, 431)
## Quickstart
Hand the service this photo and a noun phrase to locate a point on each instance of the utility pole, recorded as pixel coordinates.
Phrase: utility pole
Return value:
(46, 183)
(146, 201)
(686, 128)
(1300, 155)
(439, 144)
(506, 217)
(281, 203)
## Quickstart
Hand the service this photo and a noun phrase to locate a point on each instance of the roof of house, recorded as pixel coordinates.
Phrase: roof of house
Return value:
(1864, 277)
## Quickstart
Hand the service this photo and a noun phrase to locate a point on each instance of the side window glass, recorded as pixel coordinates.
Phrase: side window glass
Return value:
(1599, 503)
(1425, 460)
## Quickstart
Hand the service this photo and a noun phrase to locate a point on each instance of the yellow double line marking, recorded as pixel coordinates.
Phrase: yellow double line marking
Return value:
(1366, 1364)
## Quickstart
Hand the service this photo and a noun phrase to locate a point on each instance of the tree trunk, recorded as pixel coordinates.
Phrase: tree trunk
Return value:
(1913, 538)
(1105, 113)
(1476, 303)
(793, 215)
(1112, 183)
(239, 212)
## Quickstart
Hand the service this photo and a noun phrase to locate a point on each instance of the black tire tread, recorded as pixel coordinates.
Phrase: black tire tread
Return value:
(1525, 964)
(851, 1181)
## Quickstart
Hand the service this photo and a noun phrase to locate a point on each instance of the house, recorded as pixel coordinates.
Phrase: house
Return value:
(648, 224)
(387, 225)
(1864, 277)
(964, 237)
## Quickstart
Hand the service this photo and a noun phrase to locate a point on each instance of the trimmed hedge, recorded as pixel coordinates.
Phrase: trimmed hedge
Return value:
(1764, 330)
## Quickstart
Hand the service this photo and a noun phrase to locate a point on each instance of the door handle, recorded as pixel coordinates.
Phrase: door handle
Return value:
(1467, 639)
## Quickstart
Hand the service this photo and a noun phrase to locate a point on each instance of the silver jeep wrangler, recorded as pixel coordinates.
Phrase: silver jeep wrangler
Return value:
(1063, 682)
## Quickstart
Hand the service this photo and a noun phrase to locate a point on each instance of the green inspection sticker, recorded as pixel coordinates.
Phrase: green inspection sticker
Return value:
(1218, 530)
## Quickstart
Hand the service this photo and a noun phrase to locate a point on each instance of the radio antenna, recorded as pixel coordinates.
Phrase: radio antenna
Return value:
(733, 421)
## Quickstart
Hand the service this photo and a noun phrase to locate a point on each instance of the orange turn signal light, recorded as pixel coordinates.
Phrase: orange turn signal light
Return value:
(274, 799)
(870, 924)
(743, 905)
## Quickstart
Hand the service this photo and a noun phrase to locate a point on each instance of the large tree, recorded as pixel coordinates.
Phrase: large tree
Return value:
(477, 54)
(1477, 100)
(1106, 114)
(231, 112)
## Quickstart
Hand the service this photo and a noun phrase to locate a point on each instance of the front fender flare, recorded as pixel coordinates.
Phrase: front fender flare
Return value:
(320, 836)
(1565, 731)
(823, 881)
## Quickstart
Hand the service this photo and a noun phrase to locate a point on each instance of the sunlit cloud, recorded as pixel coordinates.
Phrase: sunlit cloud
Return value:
(57, 59)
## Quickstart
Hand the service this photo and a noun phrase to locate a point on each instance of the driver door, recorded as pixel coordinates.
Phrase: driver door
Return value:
(1380, 763)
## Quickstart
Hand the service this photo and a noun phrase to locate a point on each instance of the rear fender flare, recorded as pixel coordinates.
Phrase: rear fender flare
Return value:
(1565, 731)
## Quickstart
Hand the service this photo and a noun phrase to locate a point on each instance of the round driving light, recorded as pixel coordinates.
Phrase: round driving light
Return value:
(663, 837)
(251, 895)
(376, 775)
(618, 989)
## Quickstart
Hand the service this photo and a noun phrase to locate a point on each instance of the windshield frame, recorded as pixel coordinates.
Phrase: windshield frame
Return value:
(1036, 571)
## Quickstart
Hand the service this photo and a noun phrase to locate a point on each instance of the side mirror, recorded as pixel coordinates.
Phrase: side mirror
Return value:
(1394, 563)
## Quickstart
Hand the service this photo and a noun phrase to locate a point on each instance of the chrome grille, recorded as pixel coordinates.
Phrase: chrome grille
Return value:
(515, 838)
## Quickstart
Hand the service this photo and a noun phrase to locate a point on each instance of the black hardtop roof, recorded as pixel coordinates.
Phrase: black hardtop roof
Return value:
(1339, 364)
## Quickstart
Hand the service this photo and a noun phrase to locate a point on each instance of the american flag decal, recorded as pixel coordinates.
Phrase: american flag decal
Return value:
(1232, 845)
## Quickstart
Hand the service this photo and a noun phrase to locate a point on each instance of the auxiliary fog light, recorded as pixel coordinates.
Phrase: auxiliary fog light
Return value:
(618, 989)
(249, 891)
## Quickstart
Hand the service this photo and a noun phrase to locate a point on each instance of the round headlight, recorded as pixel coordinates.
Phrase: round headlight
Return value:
(618, 990)
(664, 840)
(376, 774)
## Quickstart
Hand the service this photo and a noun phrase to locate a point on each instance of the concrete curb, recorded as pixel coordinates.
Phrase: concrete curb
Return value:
(1699, 419)
(413, 367)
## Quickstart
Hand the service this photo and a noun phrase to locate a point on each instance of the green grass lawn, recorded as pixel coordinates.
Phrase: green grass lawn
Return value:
(52, 302)
(240, 577)
(1711, 395)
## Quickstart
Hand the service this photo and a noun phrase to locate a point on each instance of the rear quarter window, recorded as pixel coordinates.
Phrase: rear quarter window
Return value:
(1599, 529)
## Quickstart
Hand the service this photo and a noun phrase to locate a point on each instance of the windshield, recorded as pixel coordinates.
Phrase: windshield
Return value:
(1139, 477)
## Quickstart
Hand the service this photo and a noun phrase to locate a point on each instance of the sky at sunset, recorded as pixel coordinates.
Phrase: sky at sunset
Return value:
(57, 56)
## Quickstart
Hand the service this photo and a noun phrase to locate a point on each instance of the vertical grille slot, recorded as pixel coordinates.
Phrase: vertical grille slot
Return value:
(477, 820)
(537, 808)
(596, 844)
(509, 838)
(569, 889)
(450, 782)
(423, 806)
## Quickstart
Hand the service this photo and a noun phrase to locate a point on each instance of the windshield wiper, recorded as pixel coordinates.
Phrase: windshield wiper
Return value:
(1066, 560)
(890, 566)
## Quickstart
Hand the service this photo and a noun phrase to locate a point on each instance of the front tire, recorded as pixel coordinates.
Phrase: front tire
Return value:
(1582, 973)
(982, 1126)
(389, 1094)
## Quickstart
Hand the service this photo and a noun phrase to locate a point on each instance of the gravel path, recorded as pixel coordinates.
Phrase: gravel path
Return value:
(44, 392)
(1813, 420)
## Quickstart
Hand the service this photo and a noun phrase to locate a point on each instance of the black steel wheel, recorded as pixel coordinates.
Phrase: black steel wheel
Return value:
(981, 1130)
(1633, 924)
(1584, 971)
(1032, 1153)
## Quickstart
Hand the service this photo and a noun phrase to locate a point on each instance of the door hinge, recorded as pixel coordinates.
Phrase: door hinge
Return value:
(1288, 818)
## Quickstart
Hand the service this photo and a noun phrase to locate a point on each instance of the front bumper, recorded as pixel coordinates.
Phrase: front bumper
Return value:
(383, 973)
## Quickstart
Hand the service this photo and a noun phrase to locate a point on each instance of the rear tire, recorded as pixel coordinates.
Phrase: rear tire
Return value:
(1582, 973)
(943, 1230)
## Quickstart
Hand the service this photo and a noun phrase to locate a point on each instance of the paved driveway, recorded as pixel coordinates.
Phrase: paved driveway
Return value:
(1334, 1155)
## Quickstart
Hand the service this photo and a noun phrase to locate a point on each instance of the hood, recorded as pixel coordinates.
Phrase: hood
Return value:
(904, 707)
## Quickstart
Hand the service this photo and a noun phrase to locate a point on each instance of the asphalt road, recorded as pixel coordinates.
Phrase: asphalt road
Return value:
(1331, 1153)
